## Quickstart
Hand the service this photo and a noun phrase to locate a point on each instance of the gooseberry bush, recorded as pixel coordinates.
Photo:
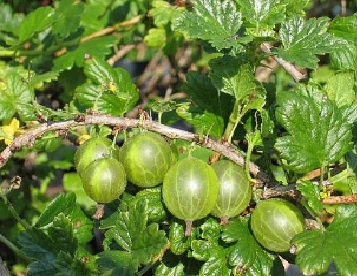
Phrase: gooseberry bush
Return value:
(203, 137)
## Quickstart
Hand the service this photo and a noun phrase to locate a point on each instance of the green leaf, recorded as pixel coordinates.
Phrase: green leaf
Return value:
(155, 38)
(211, 230)
(232, 76)
(163, 269)
(15, 97)
(37, 245)
(302, 41)
(82, 225)
(179, 243)
(346, 56)
(208, 109)
(118, 262)
(339, 243)
(64, 203)
(68, 16)
(340, 88)
(9, 22)
(108, 90)
(130, 230)
(345, 27)
(61, 232)
(37, 21)
(99, 47)
(263, 15)
(319, 131)
(204, 122)
(163, 13)
(38, 81)
(246, 254)
(156, 210)
(73, 183)
(214, 20)
(311, 194)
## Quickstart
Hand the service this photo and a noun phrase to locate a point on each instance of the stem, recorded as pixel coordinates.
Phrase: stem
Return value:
(249, 153)
(14, 213)
(234, 119)
(12, 246)
(322, 172)
(188, 228)
(159, 117)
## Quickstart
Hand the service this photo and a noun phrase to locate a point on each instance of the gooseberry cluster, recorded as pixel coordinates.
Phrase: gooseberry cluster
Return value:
(191, 189)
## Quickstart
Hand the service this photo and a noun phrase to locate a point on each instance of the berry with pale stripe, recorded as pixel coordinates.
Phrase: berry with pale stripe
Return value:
(104, 180)
(146, 158)
(234, 190)
(275, 222)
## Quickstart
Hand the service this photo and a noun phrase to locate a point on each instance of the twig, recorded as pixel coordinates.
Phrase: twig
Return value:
(227, 150)
(289, 67)
(351, 199)
(123, 50)
(279, 191)
(111, 29)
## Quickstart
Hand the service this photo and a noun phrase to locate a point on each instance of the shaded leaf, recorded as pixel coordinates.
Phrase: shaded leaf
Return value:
(319, 131)
(339, 243)
(232, 76)
(118, 262)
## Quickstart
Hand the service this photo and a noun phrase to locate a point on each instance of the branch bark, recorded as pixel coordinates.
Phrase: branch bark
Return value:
(289, 67)
(29, 137)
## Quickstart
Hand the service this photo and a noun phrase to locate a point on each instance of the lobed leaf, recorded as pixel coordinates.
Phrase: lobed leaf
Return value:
(131, 231)
(217, 21)
(31, 24)
(246, 254)
(108, 89)
(338, 243)
(15, 97)
(302, 41)
(64, 204)
(319, 131)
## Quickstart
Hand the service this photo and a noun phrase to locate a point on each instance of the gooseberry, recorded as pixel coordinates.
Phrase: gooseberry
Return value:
(234, 190)
(190, 190)
(93, 149)
(104, 180)
(275, 222)
(146, 158)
